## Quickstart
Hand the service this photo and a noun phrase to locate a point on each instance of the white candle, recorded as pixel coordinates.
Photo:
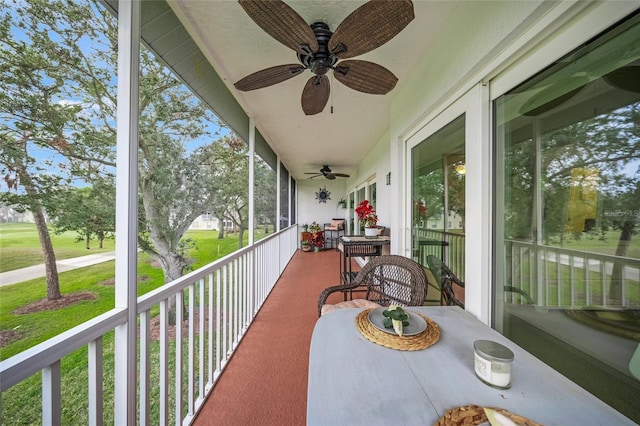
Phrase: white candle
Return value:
(492, 362)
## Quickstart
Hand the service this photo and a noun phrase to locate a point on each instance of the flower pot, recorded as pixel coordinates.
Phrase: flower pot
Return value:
(306, 248)
(370, 232)
(316, 249)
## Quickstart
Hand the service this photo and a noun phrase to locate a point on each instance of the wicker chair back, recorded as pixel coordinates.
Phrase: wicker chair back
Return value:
(389, 279)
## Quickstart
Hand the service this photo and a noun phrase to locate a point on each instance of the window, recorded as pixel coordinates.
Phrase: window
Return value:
(568, 216)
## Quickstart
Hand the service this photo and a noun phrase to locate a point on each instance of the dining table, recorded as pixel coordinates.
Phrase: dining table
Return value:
(356, 380)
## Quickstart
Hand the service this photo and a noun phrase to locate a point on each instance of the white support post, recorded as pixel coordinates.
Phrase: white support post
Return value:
(278, 212)
(252, 159)
(127, 209)
(290, 206)
(251, 255)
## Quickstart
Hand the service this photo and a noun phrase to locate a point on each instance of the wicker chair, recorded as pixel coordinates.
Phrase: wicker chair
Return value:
(389, 279)
(445, 279)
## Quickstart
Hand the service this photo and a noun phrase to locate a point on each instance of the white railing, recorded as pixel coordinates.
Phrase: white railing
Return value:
(557, 277)
(220, 303)
(451, 249)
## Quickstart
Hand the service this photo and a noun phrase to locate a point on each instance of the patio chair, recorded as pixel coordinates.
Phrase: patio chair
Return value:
(389, 279)
(445, 279)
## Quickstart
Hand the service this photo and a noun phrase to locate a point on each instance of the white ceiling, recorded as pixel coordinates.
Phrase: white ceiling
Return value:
(236, 47)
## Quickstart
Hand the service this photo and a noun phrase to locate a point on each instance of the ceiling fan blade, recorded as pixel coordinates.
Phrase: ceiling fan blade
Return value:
(365, 77)
(340, 175)
(315, 94)
(312, 177)
(370, 26)
(330, 176)
(281, 22)
(269, 77)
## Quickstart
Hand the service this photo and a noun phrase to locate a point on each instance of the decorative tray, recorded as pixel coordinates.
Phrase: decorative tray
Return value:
(417, 324)
(475, 415)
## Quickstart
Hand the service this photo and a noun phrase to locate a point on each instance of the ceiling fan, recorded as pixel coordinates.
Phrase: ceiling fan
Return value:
(326, 172)
(319, 50)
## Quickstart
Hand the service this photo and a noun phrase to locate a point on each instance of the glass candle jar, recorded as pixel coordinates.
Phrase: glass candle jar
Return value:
(493, 363)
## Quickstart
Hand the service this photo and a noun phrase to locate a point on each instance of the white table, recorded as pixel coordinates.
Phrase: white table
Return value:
(350, 378)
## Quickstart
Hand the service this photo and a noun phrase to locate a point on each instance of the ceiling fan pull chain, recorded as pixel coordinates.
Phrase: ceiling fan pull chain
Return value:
(332, 85)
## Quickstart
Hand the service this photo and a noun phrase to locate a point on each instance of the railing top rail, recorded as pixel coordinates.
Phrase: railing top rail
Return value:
(36, 358)
(148, 300)
(580, 253)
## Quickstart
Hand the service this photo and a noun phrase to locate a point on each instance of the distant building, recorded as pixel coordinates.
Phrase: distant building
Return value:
(208, 221)
(8, 214)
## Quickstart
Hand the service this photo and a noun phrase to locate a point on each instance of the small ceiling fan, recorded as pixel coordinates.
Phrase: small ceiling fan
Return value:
(326, 172)
(319, 50)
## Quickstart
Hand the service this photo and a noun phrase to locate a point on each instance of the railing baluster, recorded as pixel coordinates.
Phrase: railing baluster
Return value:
(94, 358)
(145, 370)
(164, 362)
(212, 319)
(51, 395)
(203, 333)
(179, 368)
(191, 350)
(218, 320)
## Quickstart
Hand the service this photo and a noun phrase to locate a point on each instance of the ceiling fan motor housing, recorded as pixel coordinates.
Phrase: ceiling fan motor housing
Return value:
(321, 61)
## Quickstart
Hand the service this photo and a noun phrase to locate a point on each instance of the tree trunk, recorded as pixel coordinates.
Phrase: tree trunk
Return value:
(626, 232)
(240, 237)
(53, 284)
(173, 268)
(615, 286)
(220, 228)
(87, 243)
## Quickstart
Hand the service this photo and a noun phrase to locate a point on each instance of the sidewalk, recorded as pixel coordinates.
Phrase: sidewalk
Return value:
(38, 271)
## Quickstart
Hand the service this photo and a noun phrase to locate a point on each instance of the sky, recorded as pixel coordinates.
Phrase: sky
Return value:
(46, 155)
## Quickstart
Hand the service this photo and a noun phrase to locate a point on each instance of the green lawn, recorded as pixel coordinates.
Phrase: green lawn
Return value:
(98, 279)
(19, 245)
(605, 244)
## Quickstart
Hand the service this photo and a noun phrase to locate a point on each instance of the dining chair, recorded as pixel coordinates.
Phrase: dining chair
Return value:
(388, 279)
(445, 279)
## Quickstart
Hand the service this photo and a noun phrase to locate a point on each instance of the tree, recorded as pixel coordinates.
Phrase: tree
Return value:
(229, 164)
(265, 195)
(33, 85)
(585, 170)
(89, 211)
(58, 93)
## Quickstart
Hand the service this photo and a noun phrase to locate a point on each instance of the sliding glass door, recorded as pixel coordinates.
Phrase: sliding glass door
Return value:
(568, 216)
(438, 196)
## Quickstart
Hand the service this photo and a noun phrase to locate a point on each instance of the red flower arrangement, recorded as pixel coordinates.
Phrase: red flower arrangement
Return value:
(420, 212)
(366, 214)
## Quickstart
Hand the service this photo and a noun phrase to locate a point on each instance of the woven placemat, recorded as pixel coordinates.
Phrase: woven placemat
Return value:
(475, 415)
(406, 343)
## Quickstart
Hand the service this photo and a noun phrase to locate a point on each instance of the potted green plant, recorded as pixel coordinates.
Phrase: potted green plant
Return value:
(305, 227)
(342, 203)
(305, 245)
